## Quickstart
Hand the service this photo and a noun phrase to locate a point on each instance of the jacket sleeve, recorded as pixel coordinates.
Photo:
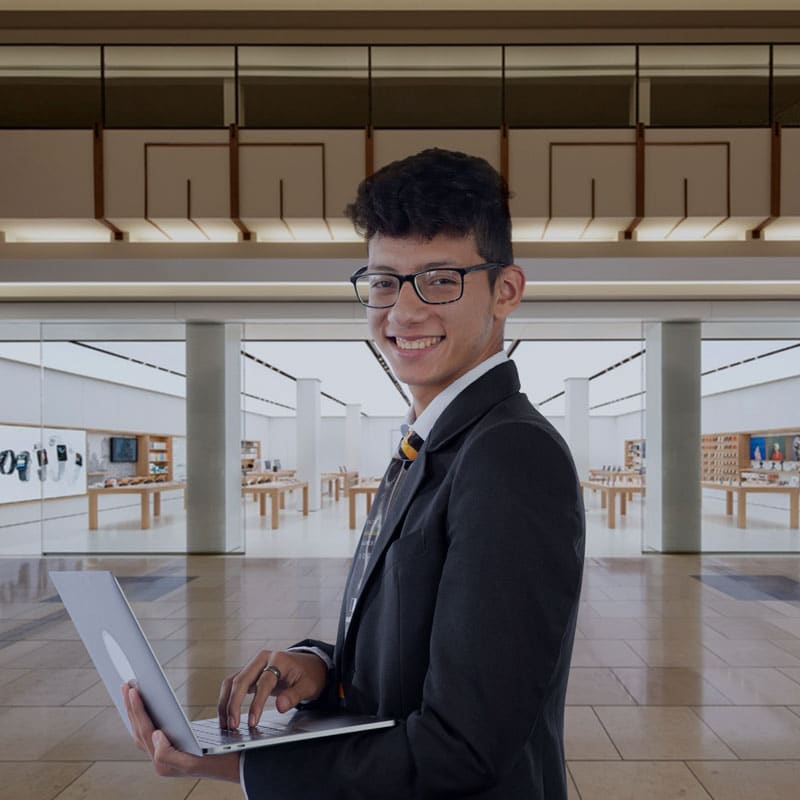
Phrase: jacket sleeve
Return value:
(501, 634)
(327, 700)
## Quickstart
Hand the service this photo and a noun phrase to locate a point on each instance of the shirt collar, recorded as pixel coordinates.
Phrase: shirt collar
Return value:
(423, 424)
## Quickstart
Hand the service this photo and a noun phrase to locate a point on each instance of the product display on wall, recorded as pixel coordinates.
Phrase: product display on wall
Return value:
(724, 455)
(41, 463)
(774, 458)
(154, 456)
(634, 454)
(251, 455)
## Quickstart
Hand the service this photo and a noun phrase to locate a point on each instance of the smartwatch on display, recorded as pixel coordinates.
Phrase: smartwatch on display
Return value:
(42, 461)
(23, 462)
(8, 462)
(61, 458)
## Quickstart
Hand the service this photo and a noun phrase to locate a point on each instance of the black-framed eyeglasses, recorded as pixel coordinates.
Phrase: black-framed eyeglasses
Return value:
(435, 286)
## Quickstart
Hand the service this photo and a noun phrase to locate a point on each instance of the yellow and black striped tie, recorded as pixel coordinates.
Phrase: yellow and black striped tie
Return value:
(410, 446)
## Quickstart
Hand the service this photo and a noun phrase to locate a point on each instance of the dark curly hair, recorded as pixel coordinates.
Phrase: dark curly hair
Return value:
(437, 191)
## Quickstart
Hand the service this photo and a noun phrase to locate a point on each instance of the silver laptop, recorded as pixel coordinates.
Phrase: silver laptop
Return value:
(121, 653)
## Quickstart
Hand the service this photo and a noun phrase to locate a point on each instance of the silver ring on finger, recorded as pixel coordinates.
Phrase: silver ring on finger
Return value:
(274, 670)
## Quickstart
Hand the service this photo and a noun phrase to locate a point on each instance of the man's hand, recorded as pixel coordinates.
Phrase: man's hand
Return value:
(302, 677)
(168, 761)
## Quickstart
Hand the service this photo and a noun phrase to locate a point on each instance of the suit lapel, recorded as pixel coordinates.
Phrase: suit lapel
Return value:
(469, 406)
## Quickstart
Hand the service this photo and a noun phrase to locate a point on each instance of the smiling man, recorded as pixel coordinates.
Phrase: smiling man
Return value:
(459, 613)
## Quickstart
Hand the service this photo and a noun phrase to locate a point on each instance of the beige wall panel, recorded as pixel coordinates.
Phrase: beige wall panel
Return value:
(171, 171)
(263, 169)
(613, 169)
(46, 174)
(124, 167)
(301, 169)
(706, 169)
(790, 172)
(529, 170)
(394, 144)
(669, 165)
(750, 168)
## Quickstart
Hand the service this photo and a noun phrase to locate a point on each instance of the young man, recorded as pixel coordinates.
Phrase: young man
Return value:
(459, 613)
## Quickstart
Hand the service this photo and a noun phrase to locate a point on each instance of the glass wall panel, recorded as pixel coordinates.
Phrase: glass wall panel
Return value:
(751, 437)
(786, 84)
(704, 85)
(436, 87)
(114, 430)
(361, 411)
(560, 87)
(22, 491)
(604, 434)
(303, 87)
(49, 86)
(169, 87)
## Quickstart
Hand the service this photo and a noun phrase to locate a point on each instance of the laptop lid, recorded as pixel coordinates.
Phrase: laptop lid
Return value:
(120, 650)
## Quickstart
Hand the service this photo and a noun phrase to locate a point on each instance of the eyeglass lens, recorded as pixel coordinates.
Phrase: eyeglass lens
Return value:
(435, 286)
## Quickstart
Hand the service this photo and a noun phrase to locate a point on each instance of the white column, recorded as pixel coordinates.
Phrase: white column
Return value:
(352, 437)
(576, 391)
(213, 437)
(309, 438)
(672, 431)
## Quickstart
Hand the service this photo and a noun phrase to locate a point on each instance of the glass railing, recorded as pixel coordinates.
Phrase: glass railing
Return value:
(413, 86)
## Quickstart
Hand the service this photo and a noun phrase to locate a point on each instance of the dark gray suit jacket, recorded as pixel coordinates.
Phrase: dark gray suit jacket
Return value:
(463, 630)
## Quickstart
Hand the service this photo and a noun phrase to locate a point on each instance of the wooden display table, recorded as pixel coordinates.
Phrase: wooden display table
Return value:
(267, 477)
(333, 479)
(368, 488)
(277, 493)
(755, 488)
(627, 474)
(144, 490)
(349, 478)
(609, 493)
(338, 482)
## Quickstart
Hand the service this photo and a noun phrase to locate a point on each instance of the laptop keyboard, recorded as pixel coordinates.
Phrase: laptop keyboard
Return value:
(209, 733)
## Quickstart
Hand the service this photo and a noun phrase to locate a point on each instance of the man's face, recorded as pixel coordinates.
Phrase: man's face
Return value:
(430, 346)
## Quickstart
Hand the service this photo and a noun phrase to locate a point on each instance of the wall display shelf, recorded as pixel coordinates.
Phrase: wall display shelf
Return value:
(154, 455)
(634, 454)
(724, 456)
(251, 455)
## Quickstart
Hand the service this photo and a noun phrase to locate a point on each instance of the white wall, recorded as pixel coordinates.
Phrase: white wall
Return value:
(754, 408)
(378, 440)
(606, 443)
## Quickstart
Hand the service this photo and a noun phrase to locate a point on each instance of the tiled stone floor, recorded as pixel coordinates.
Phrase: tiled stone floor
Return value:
(678, 688)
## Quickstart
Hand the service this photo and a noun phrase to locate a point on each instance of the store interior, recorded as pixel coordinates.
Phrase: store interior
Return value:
(110, 414)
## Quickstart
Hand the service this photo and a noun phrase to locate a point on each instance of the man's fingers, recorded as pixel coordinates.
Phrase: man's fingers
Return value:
(224, 699)
(244, 682)
(265, 686)
(288, 699)
(167, 760)
(126, 700)
(142, 723)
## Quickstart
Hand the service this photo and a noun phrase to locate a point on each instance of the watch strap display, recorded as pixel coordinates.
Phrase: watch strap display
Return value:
(8, 462)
